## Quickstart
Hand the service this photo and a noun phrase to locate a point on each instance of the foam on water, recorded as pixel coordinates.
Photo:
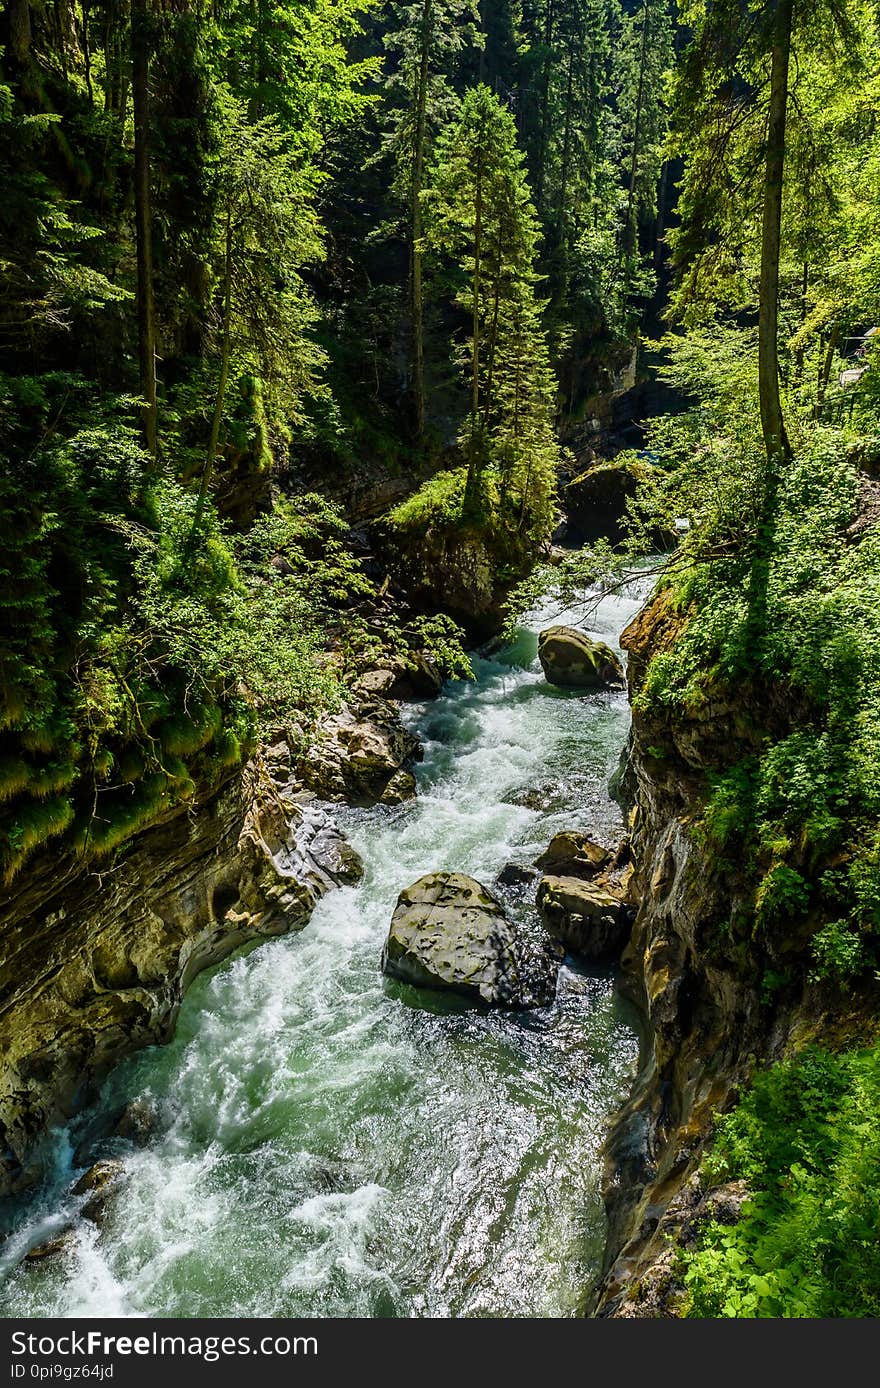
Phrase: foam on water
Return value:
(334, 1144)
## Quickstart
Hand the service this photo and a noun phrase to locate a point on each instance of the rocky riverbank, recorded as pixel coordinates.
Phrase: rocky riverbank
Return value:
(699, 983)
(96, 961)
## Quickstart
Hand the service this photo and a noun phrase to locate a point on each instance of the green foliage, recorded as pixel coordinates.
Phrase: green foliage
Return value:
(806, 1139)
(839, 953)
(479, 214)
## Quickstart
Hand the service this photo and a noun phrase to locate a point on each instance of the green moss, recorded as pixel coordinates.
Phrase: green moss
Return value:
(190, 731)
(120, 816)
(30, 826)
(438, 501)
(15, 773)
(47, 780)
(229, 749)
(131, 764)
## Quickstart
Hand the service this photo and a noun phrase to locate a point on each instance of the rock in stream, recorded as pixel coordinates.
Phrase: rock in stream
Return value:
(448, 931)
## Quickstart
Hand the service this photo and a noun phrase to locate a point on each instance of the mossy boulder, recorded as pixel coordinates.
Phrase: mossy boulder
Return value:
(592, 919)
(572, 660)
(596, 499)
(449, 932)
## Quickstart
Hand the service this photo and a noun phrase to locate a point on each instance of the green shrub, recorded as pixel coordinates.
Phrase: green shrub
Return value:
(806, 1139)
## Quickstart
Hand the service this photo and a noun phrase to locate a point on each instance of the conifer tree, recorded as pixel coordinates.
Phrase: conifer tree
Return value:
(479, 212)
(423, 48)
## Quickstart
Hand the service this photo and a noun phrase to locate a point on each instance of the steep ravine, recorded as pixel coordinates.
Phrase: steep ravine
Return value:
(96, 958)
(323, 1141)
(696, 976)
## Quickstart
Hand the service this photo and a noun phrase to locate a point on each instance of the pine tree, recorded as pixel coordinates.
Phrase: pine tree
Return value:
(479, 211)
(430, 36)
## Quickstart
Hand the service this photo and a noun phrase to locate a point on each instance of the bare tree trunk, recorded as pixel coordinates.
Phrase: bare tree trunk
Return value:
(140, 68)
(545, 103)
(220, 398)
(825, 369)
(20, 31)
(772, 422)
(416, 304)
(87, 51)
(627, 245)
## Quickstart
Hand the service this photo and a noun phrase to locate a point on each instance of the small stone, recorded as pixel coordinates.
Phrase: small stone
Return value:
(514, 875)
(55, 1247)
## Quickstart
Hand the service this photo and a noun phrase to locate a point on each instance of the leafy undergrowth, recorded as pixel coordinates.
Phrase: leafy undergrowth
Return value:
(146, 646)
(801, 811)
(806, 1139)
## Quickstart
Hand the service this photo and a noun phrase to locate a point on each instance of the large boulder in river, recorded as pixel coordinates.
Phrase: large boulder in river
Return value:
(571, 659)
(591, 918)
(448, 931)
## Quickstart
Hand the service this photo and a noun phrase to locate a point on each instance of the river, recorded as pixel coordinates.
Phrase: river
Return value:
(331, 1143)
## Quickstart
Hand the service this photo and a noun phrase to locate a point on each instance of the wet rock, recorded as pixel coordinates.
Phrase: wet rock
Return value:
(361, 755)
(515, 875)
(532, 797)
(449, 932)
(332, 854)
(59, 1244)
(572, 660)
(137, 1122)
(99, 1183)
(571, 854)
(596, 499)
(589, 918)
(658, 1291)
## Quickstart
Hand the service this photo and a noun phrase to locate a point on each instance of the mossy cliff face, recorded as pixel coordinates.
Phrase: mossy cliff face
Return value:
(461, 572)
(698, 973)
(95, 962)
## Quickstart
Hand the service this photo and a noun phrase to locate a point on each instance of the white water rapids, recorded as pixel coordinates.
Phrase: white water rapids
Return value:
(334, 1144)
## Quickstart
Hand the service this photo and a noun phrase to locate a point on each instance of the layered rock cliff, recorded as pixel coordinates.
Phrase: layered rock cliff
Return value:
(96, 957)
(698, 972)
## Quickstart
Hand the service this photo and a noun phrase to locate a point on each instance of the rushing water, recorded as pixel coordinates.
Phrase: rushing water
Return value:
(334, 1144)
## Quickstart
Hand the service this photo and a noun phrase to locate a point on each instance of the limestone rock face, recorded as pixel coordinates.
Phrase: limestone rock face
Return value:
(362, 756)
(95, 963)
(407, 680)
(572, 660)
(448, 931)
(590, 918)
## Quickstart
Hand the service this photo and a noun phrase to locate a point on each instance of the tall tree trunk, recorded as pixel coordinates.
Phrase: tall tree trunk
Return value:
(87, 51)
(220, 398)
(772, 422)
(416, 304)
(628, 243)
(19, 21)
(473, 463)
(545, 102)
(825, 366)
(140, 72)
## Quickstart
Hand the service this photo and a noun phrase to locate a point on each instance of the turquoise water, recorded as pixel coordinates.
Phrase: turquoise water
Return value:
(330, 1143)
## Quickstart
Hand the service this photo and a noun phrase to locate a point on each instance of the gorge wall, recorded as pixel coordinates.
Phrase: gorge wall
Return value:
(698, 973)
(97, 957)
